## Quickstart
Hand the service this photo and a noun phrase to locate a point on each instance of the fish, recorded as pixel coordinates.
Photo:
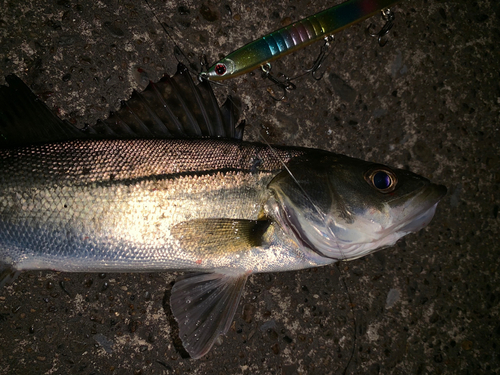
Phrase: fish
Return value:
(166, 183)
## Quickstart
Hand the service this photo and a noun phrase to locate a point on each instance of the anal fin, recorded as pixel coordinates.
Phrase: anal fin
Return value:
(204, 305)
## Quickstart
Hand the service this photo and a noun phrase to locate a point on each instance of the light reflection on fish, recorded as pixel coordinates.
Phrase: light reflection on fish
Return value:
(125, 196)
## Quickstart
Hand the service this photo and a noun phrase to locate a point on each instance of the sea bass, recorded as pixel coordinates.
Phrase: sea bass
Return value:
(157, 196)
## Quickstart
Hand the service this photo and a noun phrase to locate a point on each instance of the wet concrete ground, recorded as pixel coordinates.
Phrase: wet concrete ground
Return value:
(428, 101)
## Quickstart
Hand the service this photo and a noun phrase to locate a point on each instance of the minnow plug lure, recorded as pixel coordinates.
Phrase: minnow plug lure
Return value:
(292, 37)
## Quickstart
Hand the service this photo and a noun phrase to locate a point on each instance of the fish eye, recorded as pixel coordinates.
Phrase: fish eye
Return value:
(220, 69)
(384, 180)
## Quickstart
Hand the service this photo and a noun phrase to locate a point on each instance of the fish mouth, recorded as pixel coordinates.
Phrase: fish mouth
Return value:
(426, 200)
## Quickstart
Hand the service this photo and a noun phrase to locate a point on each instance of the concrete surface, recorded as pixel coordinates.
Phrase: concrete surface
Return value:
(429, 100)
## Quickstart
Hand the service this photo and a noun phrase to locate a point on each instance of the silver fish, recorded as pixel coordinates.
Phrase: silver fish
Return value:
(222, 208)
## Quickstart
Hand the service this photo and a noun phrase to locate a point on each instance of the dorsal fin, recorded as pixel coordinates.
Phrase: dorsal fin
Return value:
(25, 119)
(174, 107)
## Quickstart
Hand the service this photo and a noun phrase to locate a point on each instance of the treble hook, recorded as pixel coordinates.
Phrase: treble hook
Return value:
(286, 85)
(323, 54)
(389, 17)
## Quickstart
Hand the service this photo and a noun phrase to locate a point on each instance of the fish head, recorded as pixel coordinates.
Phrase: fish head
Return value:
(344, 208)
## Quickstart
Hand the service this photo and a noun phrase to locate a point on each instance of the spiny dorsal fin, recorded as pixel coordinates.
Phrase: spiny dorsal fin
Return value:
(174, 107)
(25, 119)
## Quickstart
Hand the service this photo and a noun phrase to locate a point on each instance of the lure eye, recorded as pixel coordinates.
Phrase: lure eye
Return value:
(384, 180)
(220, 69)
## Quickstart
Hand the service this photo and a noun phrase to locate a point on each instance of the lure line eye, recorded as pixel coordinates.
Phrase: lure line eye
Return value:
(383, 180)
(220, 69)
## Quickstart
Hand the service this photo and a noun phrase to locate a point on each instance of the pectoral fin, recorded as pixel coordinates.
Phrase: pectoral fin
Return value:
(217, 237)
(204, 305)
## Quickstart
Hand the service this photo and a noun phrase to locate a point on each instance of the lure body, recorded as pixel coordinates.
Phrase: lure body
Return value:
(292, 37)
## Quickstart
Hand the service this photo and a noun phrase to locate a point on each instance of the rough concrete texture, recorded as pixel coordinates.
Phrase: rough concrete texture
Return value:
(429, 101)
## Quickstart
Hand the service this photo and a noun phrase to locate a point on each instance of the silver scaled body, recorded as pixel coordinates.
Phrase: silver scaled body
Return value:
(110, 205)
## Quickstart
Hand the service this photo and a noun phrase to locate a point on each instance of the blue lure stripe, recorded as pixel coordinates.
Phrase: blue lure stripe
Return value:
(280, 41)
(273, 46)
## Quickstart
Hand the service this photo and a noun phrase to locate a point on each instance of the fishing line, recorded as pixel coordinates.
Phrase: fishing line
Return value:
(177, 49)
(355, 328)
(199, 76)
(323, 216)
(318, 211)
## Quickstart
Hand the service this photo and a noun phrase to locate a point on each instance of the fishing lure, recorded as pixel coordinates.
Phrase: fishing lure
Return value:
(292, 37)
